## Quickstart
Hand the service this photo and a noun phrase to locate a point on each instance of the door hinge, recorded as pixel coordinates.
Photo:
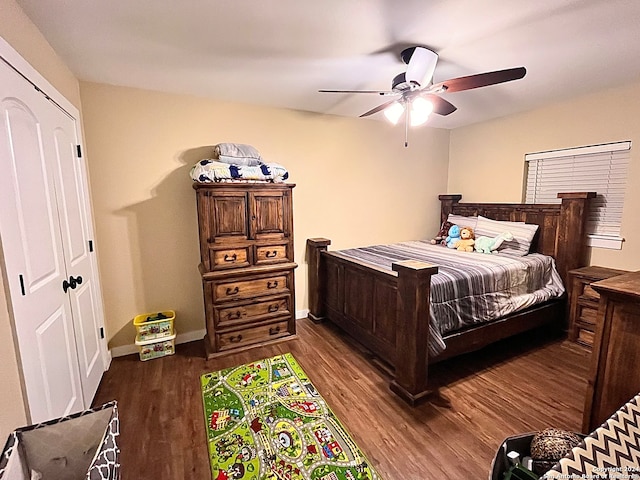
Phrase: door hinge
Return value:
(79, 151)
(91, 245)
(22, 285)
(101, 332)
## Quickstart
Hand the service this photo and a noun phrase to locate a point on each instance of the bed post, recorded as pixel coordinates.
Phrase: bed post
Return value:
(316, 287)
(412, 332)
(446, 205)
(571, 248)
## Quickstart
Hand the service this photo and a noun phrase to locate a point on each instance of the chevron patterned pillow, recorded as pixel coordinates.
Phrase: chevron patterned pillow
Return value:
(611, 451)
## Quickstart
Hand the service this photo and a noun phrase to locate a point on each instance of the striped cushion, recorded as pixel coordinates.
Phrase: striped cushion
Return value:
(462, 221)
(523, 234)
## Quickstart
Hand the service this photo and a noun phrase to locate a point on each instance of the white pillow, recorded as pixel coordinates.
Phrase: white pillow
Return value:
(462, 221)
(237, 154)
(523, 234)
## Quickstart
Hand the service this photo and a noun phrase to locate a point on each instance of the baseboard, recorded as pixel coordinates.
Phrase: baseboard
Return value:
(186, 337)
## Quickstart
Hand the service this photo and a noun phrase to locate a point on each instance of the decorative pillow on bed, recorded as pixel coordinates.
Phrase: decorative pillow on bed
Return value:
(462, 221)
(237, 154)
(523, 234)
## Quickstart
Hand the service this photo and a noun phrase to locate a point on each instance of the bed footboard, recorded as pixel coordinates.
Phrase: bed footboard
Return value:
(387, 312)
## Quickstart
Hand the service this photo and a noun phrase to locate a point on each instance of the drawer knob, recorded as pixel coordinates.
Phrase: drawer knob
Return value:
(271, 254)
(235, 338)
(274, 330)
(231, 258)
(232, 291)
(272, 284)
(274, 307)
(234, 316)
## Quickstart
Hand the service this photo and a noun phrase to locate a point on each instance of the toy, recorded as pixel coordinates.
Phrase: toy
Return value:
(453, 237)
(466, 241)
(439, 239)
(491, 245)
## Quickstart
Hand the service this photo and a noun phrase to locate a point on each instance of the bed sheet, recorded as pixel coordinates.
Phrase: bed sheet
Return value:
(470, 287)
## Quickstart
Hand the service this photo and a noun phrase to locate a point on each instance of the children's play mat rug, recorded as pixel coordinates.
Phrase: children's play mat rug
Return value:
(266, 421)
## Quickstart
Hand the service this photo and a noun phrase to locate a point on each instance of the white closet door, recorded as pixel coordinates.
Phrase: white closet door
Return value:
(44, 227)
(73, 212)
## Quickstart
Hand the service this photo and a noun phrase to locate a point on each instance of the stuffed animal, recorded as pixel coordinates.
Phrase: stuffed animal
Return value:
(439, 239)
(491, 245)
(465, 244)
(453, 237)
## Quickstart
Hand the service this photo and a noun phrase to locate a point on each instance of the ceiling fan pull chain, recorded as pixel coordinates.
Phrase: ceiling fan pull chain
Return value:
(406, 126)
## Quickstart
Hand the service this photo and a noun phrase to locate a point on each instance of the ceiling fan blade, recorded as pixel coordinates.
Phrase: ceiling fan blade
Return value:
(420, 65)
(480, 80)
(377, 109)
(440, 105)
(379, 92)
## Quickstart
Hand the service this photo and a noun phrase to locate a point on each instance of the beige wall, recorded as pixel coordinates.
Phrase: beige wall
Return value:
(17, 30)
(356, 183)
(486, 161)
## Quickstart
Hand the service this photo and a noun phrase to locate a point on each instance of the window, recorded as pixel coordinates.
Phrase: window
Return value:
(597, 168)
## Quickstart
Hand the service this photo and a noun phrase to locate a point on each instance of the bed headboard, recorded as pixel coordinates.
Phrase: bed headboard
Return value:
(562, 231)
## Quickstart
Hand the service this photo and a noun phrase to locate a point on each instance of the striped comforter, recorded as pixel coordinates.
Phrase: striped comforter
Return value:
(471, 287)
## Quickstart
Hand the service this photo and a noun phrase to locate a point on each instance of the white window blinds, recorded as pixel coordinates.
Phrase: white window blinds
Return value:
(598, 168)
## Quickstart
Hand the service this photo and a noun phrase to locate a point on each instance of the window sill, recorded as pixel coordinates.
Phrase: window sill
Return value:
(601, 241)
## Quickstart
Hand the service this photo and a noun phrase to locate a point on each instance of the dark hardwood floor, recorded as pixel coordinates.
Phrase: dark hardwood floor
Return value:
(523, 384)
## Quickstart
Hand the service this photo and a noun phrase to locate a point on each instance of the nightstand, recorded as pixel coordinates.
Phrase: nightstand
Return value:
(583, 302)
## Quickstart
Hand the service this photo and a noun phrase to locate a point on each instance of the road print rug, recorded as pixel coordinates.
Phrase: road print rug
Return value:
(266, 421)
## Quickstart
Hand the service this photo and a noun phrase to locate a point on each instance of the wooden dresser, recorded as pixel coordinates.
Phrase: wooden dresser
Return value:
(614, 377)
(247, 267)
(583, 303)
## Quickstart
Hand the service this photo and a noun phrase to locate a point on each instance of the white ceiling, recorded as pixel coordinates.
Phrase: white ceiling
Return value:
(280, 52)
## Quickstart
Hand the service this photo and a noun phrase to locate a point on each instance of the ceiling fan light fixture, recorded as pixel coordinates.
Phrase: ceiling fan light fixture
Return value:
(393, 112)
(421, 65)
(421, 109)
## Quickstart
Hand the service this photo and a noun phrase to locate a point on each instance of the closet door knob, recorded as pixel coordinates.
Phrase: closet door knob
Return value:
(72, 283)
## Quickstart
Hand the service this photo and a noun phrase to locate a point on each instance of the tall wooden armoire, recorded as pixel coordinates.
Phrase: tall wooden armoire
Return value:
(247, 267)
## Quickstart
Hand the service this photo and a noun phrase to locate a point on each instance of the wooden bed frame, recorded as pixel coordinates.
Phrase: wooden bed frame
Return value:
(388, 311)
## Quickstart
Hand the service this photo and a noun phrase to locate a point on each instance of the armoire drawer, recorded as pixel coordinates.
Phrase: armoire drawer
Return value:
(230, 258)
(239, 289)
(226, 316)
(251, 335)
(266, 254)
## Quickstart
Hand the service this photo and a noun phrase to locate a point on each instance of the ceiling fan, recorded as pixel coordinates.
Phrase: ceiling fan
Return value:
(416, 94)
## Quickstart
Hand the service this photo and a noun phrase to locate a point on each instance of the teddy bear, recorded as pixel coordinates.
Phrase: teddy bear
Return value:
(453, 237)
(439, 239)
(465, 244)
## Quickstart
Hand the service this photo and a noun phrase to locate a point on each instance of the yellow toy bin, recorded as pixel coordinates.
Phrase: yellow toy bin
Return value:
(158, 347)
(154, 325)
